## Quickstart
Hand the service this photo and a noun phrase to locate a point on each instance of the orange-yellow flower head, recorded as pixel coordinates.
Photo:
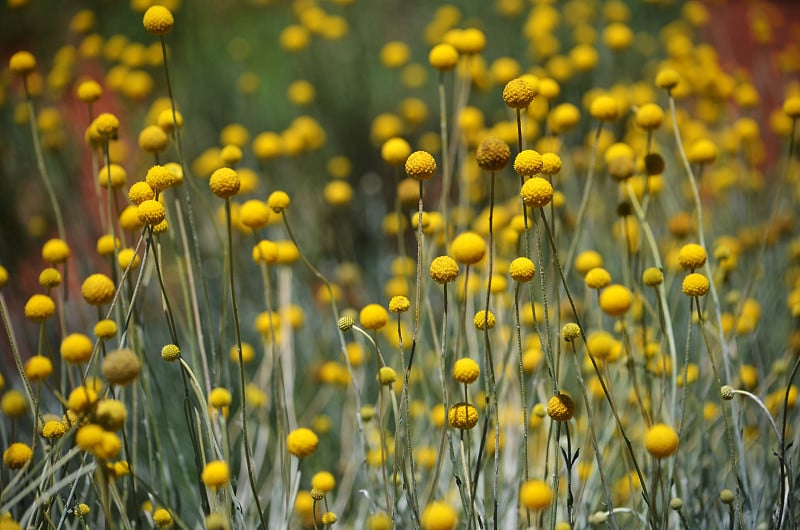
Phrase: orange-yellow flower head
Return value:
(158, 20)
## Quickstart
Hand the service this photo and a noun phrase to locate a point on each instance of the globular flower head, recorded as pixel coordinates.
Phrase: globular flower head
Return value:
(106, 125)
(570, 332)
(77, 348)
(661, 441)
(373, 316)
(462, 416)
(604, 108)
(302, 442)
(55, 251)
(466, 370)
(39, 307)
(652, 277)
(597, 278)
(692, 256)
(420, 165)
(438, 516)
(399, 304)
(224, 182)
(112, 175)
(158, 20)
(649, 116)
(695, 284)
(121, 367)
(560, 407)
(535, 494)
(22, 63)
(160, 178)
(519, 93)
(468, 248)
(215, 474)
(615, 300)
(153, 139)
(139, 192)
(522, 269)
(482, 321)
(278, 201)
(443, 57)
(493, 154)
(528, 163)
(443, 269)
(537, 192)
(17, 455)
(395, 151)
(151, 212)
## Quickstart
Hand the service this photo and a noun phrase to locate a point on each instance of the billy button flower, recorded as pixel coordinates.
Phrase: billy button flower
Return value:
(139, 192)
(468, 248)
(22, 63)
(399, 304)
(17, 455)
(519, 93)
(151, 212)
(615, 300)
(224, 182)
(50, 278)
(701, 151)
(528, 163)
(667, 78)
(560, 407)
(170, 352)
(522, 269)
(482, 321)
(597, 278)
(535, 494)
(153, 139)
(113, 176)
(692, 256)
(438, 516)
(160, 178)
(649, 116)
(158, 20)
(466, 370)
(302, 442)
(77, 348)
(420, 165)
(106, 125)
(443, 57)
(661, 441)
(120, 367)
(443, 269)
(39, 307)
(278, 201)
(493, 154)
(254, 214)
(462, 416)
(215, 474)
(695, 284)
(536, 192)
(652, 277)
(373, 317)
(38, 368)
(55, 251)
(395, 151)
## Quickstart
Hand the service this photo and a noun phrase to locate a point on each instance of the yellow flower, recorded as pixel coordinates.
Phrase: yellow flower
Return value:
(215, 474)
(302, 442)
(420, 165)
(649, 116)
(482, 322)
(22, 63)
(615, 300)
(106, 125)
(536, 192)
(652, 277)
(323, 481)
(121, 367)
(597, 278)
(373, 316)
(466, 370)
(159, 178)
(399, 304)
(98, 289)
(162, 518)
(224, 182)
(220, 397)
(695, 284)
(443, 57)
(38, 368)
(170, 352)
(55, 251)
(39, 307)
(661, 440)
(519, 93)
(17, 455)
(395, 54)
(438, 516)
(587, 260)
(53, 429)
(395, 151)
(535, 494)
(153, 139)
(604, 108)
(560, 407)
(13, 404)
(692, 256)
(111, 414)
(468, 248)
(151, 212)
(528, 163)
(522, 269)
(493, 154)
(278, 201)
(158, 20)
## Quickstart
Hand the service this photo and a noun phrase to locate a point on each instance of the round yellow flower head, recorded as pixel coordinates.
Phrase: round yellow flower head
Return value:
(159, 178)
(121, 367)
(373, 316)
(167, 121)
(615, 300)
(215, 474)
(158, 20)
(587, 260)
(692, 256)
(278, 201)
(22, 63)
(667, 78)
(224, 182)
(399, 304)
(220, 397)
(323, 481)
(170, 352)
(695, 284)
(112, 175)
(17, 455)
(106, 125)
(89, 91)
(522, 269)
(443, 57)
(231, 154)
(162, 518)
(420, 165)
(328, 518)
(702, 151)
(519, 93)
(571, 332)
(38, 368)
(597, 278)
(493, 154)
(39, 307)
(661, 440)
(302, 442)
(617, 36)
(604, 108)
(468, 248)
(528, 163)
(395, 54)
(535, 494)
(13, 404)
(481, 321)
(560, 407)
(53, 429)
(443, 269)
(55, 251)
(649, 116)
(111, 414)
(438, 516)
(265, 252)
(3, 276)
(791, 107)
(463, 416)
(551, 163)
(652, 277)
(254, 214)
(50, 278)
(466, 370)
(536, 192)
(395, 151)
(153, 139)
(387, 375)
(472, 41)
(151, 212)
(76, 348)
